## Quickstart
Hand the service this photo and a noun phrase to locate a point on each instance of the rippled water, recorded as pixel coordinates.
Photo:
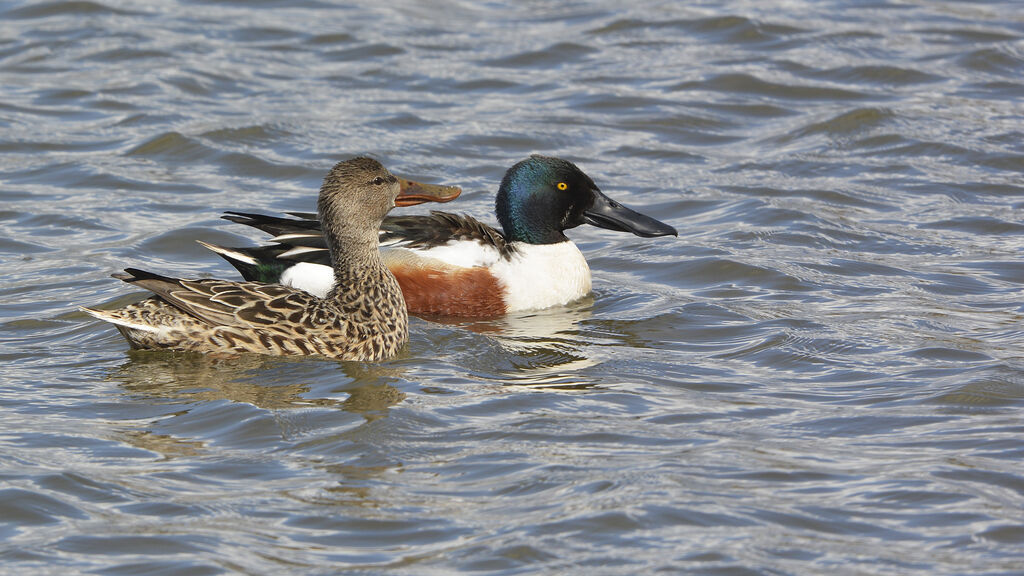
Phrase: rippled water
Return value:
(823, 373)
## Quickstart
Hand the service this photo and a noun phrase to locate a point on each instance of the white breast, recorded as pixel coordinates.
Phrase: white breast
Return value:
(543, 275)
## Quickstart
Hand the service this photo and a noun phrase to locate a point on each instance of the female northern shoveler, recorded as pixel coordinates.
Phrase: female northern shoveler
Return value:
(363, 317)
(454, 265)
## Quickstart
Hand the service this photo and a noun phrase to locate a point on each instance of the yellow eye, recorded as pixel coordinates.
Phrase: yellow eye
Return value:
(562, 186)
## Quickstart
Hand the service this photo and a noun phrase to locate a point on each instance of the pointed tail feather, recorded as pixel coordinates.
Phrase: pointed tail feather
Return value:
(229, 254)
(119, 319)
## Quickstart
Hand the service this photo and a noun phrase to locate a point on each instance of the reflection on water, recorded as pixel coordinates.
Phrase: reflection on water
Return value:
(542, 348)
(167, 446)
(199, 378)
(372, 400)
(262, 381)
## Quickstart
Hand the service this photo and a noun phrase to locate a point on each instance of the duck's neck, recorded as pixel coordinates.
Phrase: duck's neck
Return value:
(355, 257)
(357, 264)
(518, 231)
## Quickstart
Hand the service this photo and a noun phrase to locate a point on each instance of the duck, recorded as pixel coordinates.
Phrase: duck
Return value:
(455, 265)
(363, 317)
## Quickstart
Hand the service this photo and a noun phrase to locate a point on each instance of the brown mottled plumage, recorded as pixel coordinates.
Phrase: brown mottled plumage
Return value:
(362, 318)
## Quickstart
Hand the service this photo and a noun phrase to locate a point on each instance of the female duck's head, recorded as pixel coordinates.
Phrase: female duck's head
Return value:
(358, 193)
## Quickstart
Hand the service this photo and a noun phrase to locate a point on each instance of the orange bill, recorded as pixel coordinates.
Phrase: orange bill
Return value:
(413, 193)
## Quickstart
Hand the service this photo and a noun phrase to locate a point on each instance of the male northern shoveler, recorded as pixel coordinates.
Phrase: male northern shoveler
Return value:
(363, 317)
(454, 265)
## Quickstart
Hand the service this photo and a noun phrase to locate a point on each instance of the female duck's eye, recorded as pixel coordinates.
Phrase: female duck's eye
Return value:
(562, 186)
(378, 181)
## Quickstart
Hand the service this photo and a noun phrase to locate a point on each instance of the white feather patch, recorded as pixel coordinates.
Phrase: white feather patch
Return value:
(316, 279)
(543, 275)
(463, 253)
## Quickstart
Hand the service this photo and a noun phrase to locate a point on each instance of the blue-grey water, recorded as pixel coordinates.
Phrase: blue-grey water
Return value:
(823, 374)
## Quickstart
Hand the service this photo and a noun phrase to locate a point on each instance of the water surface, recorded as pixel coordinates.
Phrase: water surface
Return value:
(822, 374)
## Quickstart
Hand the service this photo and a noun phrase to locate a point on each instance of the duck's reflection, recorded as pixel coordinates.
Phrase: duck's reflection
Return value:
(538, 327)
(269, 383)
(540, 349)
(200, 378)
(167, 446)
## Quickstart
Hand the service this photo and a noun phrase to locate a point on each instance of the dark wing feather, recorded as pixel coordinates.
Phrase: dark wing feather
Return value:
(293, 231)
(438, 229)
